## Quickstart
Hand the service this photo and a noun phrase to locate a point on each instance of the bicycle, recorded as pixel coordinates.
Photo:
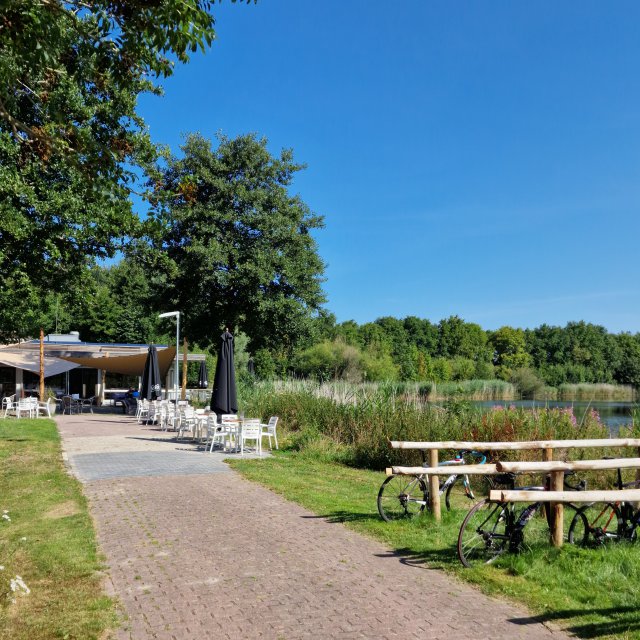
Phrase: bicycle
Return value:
(405, 496)
(599, 523)
(491, 529)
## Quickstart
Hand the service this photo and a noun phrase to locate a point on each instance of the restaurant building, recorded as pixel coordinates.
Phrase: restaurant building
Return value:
(84, 368)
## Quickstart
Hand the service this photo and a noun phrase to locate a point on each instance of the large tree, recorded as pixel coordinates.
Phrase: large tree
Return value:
(234, 245)
(70, 75)
(457, 338)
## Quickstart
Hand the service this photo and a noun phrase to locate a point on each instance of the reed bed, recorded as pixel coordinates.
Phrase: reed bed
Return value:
(607, 392)
(474, 390)
(416, 392)
(352, 423)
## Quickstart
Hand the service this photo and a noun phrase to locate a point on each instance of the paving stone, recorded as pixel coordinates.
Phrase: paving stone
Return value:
(99, 466)
(207, 554)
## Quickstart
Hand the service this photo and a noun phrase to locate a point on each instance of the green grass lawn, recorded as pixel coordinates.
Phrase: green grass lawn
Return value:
(49, 541)
(592, 593)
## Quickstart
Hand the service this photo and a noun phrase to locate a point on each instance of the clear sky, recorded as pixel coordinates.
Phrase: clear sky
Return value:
(472, 158)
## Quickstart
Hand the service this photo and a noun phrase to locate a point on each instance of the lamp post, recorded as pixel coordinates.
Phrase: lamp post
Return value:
(169, 314)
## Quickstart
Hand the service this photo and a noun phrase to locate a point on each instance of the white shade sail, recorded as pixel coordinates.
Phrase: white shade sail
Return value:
(30, 361)
(132, 365)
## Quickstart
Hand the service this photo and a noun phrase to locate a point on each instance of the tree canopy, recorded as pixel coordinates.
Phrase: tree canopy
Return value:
(70, 135)
(233, 244)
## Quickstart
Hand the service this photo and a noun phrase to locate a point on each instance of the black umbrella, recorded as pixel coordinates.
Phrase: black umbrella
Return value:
(223, 398)
(151, 383)
(203, 376)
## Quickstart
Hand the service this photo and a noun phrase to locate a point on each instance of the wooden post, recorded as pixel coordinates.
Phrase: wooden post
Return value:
(183, 393)
(556, 522)
(636, 505)
(434, 486)
(547, 512)
(41, 390)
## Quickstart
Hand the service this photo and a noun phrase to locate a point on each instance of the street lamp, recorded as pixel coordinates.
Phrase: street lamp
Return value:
(169, 314)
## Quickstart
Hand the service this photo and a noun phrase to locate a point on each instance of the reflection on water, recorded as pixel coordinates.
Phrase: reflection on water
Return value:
(613, 414)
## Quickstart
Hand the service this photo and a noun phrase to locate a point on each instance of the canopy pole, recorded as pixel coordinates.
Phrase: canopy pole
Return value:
(41, 390)
(183, 393)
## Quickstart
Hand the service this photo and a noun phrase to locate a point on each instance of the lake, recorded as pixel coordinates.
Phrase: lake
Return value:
(613, 414)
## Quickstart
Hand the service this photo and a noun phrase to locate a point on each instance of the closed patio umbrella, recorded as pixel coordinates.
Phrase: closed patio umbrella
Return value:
(223, 398)
(203, 376)
(151, 382)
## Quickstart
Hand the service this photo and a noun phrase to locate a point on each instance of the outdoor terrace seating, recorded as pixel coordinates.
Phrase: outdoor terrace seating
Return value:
(269, 430)
(70, 405)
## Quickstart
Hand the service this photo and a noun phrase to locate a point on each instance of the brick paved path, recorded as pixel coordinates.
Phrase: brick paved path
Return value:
(210, 555)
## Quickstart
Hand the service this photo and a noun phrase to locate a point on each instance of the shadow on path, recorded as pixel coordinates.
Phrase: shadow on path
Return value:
(338, 517)
(621, 620)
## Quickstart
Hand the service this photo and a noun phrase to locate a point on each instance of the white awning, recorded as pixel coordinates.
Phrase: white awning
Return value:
(129, 365)
(30, 361)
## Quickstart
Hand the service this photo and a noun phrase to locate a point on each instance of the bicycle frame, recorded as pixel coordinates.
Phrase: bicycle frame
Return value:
(459, 460)
(412, 496)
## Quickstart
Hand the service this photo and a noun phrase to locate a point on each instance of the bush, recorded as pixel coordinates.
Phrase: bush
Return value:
(527, 383)
(378, 368)
(484, 371)
(264, 364)
(462, 369)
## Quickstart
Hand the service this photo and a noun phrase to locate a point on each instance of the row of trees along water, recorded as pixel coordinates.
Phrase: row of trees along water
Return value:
(453, 350)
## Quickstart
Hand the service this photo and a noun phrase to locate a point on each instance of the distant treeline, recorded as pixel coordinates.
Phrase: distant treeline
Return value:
(414, 349)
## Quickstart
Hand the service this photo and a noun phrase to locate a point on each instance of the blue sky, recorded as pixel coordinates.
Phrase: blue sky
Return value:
(471, 158)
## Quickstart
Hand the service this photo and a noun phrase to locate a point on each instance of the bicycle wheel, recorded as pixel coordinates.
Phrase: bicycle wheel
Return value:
(402, 497)
(531, 528)
(595, 524)
(485, 533)
(461, 497)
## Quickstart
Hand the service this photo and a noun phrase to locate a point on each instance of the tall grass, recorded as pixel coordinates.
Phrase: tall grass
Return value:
(352, 424)
(584, 391)
(417, 392)
(482, 390)
(474, 390)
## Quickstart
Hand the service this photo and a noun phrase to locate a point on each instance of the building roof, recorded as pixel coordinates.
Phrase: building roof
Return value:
(63, 354)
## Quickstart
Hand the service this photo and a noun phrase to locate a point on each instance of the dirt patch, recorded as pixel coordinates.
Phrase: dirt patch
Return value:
(63, 510)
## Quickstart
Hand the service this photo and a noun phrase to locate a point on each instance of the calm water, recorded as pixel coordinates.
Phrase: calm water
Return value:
(613, 414)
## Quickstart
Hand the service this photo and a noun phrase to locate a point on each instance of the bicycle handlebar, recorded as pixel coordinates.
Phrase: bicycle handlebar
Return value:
(479, 455)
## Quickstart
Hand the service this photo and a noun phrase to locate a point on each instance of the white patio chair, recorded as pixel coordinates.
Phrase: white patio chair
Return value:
(188, 421)
(153, 412)
(172, 419)
(28, 406)
(142, 410)
(202, 419)
(8, 405)
(215, 432)
(161, 415)
(251, 431)
(44, 408)
(8, 400)
(269, 430)
(231, 426)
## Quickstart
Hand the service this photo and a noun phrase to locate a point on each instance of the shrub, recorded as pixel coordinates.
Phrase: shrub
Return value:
(462, 369)
(527, 383)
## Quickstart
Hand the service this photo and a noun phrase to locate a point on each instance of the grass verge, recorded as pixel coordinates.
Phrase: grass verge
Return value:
(48, 540)
(592, 593)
